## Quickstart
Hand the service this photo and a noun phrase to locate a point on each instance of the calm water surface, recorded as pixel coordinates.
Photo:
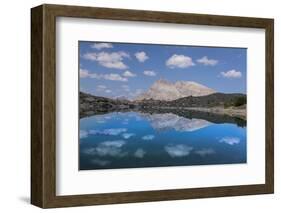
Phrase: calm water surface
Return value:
(135, 139)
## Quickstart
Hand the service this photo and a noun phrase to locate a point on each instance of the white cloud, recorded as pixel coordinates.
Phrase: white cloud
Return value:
(112, 60)
(100, 121)
(206, 61)
(84, 73)
(108, 91)
(117, 143)
(112, 132)
(230, 140)
(114, 77)
(83, 134)
(179, 61)
(149, 73)
(128, 74)
(141, 56)
(125, 122)
(148, 137)
(99, 46)
(231, 74)
(204, 152)
(128, 135)
(100, 162)
(101, 87)
(139, 153)
(107, 148)
(179, 150)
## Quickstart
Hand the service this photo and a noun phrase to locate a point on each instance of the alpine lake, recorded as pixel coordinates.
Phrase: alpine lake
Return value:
(138, 139)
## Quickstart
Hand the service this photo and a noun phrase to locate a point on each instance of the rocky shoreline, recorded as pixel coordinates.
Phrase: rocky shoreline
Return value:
(239, 112)
(220, 104)
(232, 111)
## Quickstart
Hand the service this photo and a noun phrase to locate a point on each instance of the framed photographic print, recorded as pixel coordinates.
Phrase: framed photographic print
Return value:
(136, 106)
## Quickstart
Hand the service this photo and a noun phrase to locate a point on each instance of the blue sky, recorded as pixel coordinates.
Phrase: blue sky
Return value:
(126, 70)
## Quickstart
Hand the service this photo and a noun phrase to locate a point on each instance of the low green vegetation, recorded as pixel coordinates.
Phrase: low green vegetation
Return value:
(237, 102)
(240, 101)
(95, 104)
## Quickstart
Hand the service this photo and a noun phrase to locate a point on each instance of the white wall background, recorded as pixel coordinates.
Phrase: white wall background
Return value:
(15, 105)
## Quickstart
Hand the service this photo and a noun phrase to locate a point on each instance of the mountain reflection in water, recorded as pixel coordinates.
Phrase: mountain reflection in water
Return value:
(168, 121)
(160, 138)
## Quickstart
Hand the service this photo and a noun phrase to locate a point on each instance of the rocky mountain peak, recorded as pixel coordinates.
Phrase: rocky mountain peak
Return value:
(161, 82)
(165, 90)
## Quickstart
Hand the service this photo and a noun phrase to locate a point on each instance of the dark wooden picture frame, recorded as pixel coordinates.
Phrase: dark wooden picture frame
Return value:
(43, 105)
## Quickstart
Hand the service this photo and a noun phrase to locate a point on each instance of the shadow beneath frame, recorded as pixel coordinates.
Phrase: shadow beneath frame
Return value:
(24, 199)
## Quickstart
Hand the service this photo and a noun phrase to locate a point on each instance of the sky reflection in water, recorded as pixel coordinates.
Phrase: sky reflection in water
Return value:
(135, 140)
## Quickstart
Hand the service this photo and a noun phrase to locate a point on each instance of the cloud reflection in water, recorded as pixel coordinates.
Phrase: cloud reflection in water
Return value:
(179, 150)
(107, 148)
